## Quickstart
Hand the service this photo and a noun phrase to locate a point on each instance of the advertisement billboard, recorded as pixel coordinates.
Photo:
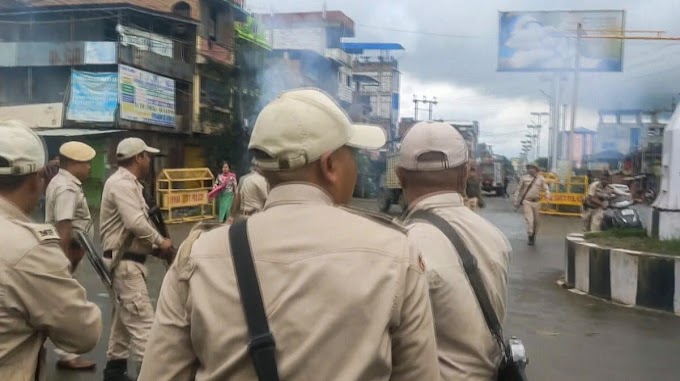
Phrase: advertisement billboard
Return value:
(94, 96)
(546, 41)
(146, 97)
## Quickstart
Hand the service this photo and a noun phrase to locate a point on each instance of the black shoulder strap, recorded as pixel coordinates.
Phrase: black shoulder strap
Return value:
(526, 191)
(471, 269)
(261, 346)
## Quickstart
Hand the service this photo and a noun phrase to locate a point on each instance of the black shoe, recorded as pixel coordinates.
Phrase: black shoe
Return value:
(532, 239)
(116, 370)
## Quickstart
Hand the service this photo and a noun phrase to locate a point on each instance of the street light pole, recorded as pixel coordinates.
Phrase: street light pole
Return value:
(574, 100)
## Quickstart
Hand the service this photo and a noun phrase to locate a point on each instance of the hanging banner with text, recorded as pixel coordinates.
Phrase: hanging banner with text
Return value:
(146, 97)
(94, 96)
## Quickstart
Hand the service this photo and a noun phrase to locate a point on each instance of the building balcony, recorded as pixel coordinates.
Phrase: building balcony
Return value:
(212, 51)
(68, 53)
(178, 67)
(77, 53)
(339, 56)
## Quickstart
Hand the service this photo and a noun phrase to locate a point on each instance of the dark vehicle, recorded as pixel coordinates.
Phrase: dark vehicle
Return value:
(619, 214)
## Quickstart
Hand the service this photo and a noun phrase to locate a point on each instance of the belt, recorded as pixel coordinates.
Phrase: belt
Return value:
(139, 258)
(249, 213)
(532, 199)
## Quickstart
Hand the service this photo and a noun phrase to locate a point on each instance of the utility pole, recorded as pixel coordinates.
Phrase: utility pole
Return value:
(430, 103)
(574, 98)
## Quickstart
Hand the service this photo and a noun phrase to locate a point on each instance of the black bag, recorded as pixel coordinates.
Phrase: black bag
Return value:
(513, 360)
(262, 346)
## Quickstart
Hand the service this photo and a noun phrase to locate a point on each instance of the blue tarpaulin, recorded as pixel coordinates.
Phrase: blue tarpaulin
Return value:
(608, 155)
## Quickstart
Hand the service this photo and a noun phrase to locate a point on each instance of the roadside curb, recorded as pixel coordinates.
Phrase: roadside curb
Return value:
(625, 277)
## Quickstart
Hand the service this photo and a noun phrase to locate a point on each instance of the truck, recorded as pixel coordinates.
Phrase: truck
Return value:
(390, 192)
(492, 175)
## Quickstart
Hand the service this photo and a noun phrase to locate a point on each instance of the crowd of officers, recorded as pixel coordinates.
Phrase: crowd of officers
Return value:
(348, 295)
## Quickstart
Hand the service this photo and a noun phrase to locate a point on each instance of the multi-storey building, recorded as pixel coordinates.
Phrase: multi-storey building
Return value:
(377, 83)
(307, 51)
(102, 70)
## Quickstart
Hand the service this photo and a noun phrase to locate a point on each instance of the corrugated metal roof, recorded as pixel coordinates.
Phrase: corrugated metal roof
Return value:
(359, 47)
(67, 132)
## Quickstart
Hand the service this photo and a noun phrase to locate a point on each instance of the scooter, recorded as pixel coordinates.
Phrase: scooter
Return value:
(619, 214)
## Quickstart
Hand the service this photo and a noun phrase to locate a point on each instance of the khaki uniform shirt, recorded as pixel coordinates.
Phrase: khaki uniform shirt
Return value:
(467, 349)
(66, 201)
(345, 297)
(38, 298)
(534, 194)
(124, 211)
(253, 190)
(596, 190)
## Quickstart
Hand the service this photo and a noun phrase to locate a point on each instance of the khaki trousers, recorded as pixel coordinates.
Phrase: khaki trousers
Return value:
(132, 319)
(531, 215)
(592, 220)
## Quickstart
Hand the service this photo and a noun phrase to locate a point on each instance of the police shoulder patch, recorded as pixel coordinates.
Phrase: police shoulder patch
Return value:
(43, 232)
(380, 218)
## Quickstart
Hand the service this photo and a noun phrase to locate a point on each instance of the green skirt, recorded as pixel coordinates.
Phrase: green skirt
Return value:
(224, 200)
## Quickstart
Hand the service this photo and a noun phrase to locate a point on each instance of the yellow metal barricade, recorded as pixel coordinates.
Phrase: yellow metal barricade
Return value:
(567, 197)
(182, 194)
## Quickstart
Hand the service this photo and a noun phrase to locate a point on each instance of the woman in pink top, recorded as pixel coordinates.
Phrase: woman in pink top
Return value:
(225, 188)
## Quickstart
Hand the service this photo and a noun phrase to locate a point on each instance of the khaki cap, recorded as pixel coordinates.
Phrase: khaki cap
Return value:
(301, 125)
(533, 165)
(77, 151)
(130, 147)
(22, 148)
(428, 137)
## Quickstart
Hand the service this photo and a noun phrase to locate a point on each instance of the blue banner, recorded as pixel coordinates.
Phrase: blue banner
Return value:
(94, 96)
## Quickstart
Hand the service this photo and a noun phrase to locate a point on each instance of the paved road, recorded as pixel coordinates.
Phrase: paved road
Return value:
(569, 337)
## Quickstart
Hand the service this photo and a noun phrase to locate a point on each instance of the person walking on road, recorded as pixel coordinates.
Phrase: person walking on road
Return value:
(251, 195)
(67, 209)
(39, 298)
(528, 196)
(432, 169)
(128, 237)
(225, 188)
(344, 296)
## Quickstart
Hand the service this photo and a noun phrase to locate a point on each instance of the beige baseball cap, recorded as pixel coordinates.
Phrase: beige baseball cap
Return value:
(22, 148)
(77, 151)
(301, 125)
(427, 137)
(130, 147)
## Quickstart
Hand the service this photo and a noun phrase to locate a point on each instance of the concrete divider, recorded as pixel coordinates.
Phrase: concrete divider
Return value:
(626, 277)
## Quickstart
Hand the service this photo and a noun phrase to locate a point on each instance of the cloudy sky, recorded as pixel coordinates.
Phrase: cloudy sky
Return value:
(452, 49)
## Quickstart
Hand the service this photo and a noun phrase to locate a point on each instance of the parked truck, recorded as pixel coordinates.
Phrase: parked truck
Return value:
(390, 192)
(492, 175)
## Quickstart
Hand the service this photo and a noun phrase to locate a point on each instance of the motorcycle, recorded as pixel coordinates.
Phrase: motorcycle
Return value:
(619, 214)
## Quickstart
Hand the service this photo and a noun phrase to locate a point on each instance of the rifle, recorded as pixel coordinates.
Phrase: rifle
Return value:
(158, 221)
(98, 263)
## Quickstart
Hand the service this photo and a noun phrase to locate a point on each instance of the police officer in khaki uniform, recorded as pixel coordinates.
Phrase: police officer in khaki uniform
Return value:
(128, 237)
(66, 209)
(528, 196)
(433, 167)
(599, 194)
(251, 195)
(346, 297)
(40, 299)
